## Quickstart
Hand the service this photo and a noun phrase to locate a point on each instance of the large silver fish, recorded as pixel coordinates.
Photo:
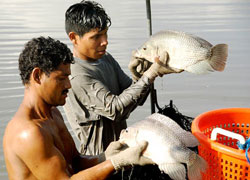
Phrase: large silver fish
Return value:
(167, 146)
(186, 52)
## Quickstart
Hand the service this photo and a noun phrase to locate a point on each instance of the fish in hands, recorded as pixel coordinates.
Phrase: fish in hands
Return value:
(180, 51)
(167, 146)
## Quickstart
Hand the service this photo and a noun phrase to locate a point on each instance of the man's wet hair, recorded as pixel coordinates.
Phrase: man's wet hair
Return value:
(82, 17)
(44, 53)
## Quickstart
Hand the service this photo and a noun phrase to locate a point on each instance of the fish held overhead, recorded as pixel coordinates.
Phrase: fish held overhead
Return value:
(167, 146)
(184, 52)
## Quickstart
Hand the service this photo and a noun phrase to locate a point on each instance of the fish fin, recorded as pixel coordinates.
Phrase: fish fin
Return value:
(201, 67)
(184, 136)
(176, 171)
(194, 170)
(217, 61)
(189, 139)
(219, 56)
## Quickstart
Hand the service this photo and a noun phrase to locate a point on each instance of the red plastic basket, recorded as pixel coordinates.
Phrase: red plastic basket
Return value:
(225, 160)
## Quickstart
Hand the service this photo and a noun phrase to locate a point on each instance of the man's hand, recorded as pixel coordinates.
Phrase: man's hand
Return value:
(138, 66)
(131, 156)
(159, 68)
(114, 148)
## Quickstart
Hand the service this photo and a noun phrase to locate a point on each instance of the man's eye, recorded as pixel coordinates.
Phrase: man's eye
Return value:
(61, 79)
(96, 36)
(144, 48)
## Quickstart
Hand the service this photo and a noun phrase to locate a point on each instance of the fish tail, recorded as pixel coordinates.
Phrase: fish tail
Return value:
(219, 57)
(176, 171)
(196, 166)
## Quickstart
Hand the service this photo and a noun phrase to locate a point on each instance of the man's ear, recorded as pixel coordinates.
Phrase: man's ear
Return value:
(73, 38)
(36, 75)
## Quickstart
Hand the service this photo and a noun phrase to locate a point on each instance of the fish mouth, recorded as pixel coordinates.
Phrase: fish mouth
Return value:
(137, 54)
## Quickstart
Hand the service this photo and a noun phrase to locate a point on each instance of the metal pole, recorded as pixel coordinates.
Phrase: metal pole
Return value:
(148, 6)
(152, 90)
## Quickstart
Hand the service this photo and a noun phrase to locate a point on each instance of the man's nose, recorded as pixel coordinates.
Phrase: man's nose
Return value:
(104, 41)
(68, 84)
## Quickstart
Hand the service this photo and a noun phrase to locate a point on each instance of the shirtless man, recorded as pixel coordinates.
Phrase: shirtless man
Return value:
(37, 144)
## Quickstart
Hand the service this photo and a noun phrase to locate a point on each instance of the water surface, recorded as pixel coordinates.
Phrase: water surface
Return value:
(225, 21)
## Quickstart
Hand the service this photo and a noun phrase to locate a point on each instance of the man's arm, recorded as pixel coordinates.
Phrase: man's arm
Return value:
(36, 149)
(126, 81)
(93, 94)
(98, 172)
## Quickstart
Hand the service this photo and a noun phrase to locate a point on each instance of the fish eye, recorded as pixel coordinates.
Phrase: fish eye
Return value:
(144, 48)
(126, 130)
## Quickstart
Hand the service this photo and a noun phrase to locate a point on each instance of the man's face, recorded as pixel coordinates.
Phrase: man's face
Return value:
(54, 88)
(92, 45)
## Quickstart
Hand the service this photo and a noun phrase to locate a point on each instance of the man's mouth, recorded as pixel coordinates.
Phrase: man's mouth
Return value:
(102, 50)
(65, 92)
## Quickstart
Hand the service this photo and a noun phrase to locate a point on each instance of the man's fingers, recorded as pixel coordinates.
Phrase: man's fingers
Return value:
(134, 65)
(146, 65)
(116, 145)
(146, 160)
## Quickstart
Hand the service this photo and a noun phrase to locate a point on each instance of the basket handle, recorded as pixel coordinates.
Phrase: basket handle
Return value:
(224, 132)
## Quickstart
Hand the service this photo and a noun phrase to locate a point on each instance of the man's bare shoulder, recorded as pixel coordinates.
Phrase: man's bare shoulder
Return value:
(22, 133)
(21, 140)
